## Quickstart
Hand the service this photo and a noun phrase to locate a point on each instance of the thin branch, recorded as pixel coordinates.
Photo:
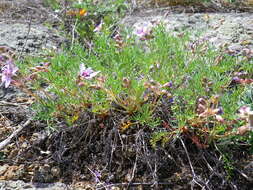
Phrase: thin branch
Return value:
(135, 163)
(73, 34)
(97, 178)
(195, 178)
(133, 184)
(4, 103)
(244, 175)
(188, 157)
(7, 141)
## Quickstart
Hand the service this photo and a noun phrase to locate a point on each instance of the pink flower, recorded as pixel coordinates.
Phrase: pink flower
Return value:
(244, 112)
(87, 73)
(1, 58)
(8, 71)
(144, 32)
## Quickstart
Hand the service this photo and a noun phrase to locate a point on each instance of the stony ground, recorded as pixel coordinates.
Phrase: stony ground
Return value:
(231, 30)
(26, 26)
(9, 185)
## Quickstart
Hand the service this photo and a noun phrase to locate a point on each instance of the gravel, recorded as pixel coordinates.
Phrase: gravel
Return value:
(20, 185)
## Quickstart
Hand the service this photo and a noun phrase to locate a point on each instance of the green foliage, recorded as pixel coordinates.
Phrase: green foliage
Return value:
(163, 137)
(134, 81)
(246, 98)
(92, 14)
(228, 165)
(145, 116)
(54, 4)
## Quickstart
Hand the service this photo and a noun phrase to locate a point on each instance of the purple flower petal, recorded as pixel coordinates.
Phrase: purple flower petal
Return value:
(87, 73)
(8, 71)
(92, 75)
(236, 79)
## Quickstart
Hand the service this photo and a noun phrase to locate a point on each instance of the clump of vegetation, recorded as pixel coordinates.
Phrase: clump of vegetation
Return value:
(170, 85)
(83, 18)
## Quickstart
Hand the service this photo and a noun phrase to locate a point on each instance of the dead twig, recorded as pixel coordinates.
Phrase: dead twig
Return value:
(3, 103)
(133, 184)
(73, 34)
(195, 178)
(136, 159)
(244, 175)
(7, 141)
(97, 178)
